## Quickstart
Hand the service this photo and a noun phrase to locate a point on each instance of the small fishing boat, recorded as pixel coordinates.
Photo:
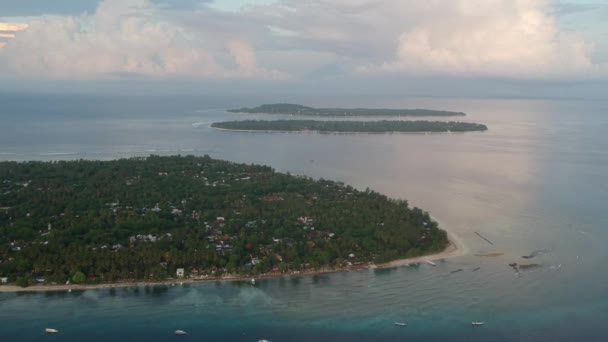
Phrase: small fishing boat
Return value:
(180, 332)
(51, 331)
(263, 340)
(431, 263)
(477, 323)
(400, 324)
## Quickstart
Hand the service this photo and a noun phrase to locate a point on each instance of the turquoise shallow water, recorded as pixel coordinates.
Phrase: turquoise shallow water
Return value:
(536, 180)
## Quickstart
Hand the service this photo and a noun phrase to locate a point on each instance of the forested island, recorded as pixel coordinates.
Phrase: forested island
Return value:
(349, 126)
(295, 109)
(158, 218)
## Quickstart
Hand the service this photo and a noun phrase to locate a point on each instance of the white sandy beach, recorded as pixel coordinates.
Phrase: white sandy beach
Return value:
(455, 248)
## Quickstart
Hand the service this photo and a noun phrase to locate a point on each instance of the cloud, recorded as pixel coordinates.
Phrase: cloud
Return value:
(495, 38)
(190, 39)
(124, 37)
(509, 38)
(12, 26)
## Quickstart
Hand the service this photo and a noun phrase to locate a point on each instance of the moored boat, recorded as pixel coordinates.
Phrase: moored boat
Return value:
(400, 324)
(431, 263)
(51, 331)
(180, 332)
(477, 323)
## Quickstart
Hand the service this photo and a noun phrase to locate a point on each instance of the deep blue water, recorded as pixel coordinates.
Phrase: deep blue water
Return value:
(536, 180)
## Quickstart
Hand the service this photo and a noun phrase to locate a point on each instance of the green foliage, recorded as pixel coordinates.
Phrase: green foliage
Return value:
(143, 218)
(350, 126)
(294, 109)
(79, 277)
(23, 282)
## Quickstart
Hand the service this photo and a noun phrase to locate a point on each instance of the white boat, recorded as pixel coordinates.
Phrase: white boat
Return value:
(400, 324)
(51, 331)
(180, 332)
(252, 281)
(263, 340)
(478, 323)
(431, 263)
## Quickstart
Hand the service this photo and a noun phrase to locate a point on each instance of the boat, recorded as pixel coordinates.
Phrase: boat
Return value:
(263, 340)
(180, 332)
(431, 263)
(400, 324)
(51, 331)
(477, 323)
(252, 281)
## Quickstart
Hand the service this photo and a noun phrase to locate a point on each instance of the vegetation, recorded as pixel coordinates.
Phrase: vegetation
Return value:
(143, 218)
(294, 109)
(350, 126)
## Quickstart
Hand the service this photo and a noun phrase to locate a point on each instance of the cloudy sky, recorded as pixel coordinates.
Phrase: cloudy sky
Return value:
(552, 46)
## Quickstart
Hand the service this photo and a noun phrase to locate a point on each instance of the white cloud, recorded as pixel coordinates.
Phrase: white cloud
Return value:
(495, 38)
(498, 38)
(511, 38)
(123, 37)
(4, 26)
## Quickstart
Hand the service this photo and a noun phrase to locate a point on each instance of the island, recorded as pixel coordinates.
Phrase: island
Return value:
(187, 217)
(349, 126)
(295, 109)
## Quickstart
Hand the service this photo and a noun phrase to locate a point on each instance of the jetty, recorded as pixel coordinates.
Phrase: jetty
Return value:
(481, 236)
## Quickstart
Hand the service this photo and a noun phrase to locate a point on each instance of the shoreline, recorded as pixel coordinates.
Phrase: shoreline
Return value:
(454, 248)
(459, 114)
(330, 132)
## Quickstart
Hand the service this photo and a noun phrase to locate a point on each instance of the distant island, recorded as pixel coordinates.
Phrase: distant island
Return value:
(160, 218)
(295, 109)
(349, 126)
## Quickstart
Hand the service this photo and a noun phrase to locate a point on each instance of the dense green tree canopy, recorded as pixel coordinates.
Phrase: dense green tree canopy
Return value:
(143, 218)
(295, 109)
(350, 126)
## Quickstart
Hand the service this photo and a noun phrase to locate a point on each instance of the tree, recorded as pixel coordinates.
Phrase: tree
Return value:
(79, 277)
(22, 282)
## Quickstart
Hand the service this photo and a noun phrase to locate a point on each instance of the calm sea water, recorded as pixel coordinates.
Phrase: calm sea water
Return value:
(537, 180)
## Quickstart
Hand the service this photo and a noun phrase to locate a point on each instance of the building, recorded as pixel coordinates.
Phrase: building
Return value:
(180, 273)
(3, 280)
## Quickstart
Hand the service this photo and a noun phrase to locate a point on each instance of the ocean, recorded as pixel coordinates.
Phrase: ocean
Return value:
(535, 181)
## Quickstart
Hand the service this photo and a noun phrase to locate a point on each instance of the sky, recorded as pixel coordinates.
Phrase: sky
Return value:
(431, 47)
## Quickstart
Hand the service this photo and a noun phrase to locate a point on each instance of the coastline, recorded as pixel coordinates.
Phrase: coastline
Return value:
(455, 248)
(459, 114)
(329, 132)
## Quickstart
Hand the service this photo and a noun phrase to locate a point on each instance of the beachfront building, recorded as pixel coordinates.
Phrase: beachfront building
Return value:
(180, 273)
(3, 280)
